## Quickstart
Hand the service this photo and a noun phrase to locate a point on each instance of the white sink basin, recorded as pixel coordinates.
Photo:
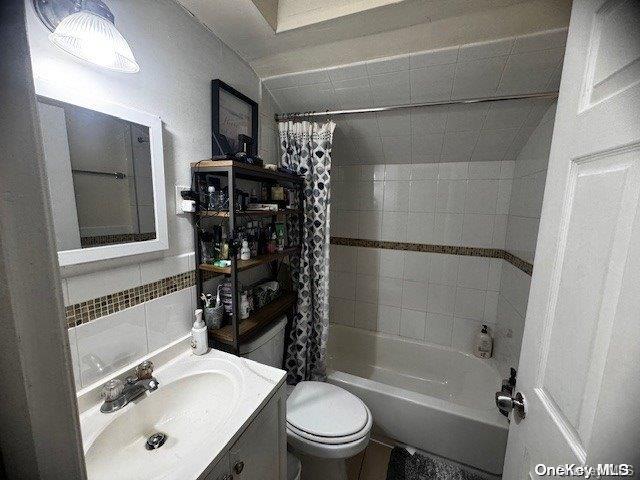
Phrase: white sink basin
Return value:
(195, 398)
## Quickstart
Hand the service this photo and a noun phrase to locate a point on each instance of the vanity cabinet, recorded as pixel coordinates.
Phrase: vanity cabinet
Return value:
(260, 453)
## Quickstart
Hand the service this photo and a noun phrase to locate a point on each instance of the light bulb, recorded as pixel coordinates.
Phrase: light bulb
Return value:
(95, 39)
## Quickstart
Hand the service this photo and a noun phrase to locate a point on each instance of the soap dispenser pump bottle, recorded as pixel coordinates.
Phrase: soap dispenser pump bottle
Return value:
(199, 335)
(484, 344)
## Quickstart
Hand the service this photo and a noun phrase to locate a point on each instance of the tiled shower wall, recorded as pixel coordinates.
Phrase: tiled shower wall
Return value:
(434, 297)
(460, 203)
(525, 207)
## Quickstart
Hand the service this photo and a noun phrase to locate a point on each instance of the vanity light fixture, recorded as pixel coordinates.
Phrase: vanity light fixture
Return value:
(86, 29)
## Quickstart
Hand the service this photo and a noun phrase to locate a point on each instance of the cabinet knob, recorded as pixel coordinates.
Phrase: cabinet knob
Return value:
(238, 467)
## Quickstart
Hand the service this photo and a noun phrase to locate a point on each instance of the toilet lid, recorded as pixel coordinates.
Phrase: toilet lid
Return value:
(324, 410)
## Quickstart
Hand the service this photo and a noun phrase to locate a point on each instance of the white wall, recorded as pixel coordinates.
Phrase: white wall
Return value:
(178, 58)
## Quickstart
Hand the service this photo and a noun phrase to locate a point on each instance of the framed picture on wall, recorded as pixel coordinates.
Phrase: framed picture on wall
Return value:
(233, 114)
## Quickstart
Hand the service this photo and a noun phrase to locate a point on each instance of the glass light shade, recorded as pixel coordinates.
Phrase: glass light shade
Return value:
(96, 40)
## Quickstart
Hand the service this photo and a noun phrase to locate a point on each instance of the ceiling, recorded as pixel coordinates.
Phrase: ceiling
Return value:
(282, 36)
(474, 132)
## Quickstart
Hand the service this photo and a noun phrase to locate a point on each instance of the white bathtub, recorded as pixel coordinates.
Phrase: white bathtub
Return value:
(433, 398)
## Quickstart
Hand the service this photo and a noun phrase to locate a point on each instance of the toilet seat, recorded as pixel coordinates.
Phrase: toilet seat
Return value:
(327, 421)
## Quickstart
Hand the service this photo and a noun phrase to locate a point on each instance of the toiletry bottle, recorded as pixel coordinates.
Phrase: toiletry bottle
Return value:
(199, 335)
(212, 197)
(245, 253)
(484, 344)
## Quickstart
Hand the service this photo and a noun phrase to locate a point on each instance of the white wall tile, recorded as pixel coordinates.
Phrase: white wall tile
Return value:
(396, 196)
(111, 342)
(368, 261)
(421, 227)
(451, 196)
(388, 65)
(473, 272)
(398, 172)
(342, 258)
(439, 329)
(342, 311)
(515, 287)
(391, 263)
(394, 123)
(491, 307)
(466, 118)
(389, 319)
(369, 225)
(426, 147)
(169, 317)
(477, 230)
(370, 195)
(366, 315)
(469, 303)
(453, 171)
(482, 196)
(390, 88)
(499, 231)
(164, 267)
(427, 120)
(441, 298)
(431, 84)
(504, 196)
(495, 274)
(444, 269)
(389, 292)
(355, 70)
(484, 170)
(416, 266)
(434, 57)
(367, 288)
(478, 78)
(414, 296)
(423, 195)
(448, 228)
(413, 324)
(541, 41)
(424, 171)
(394, 226)
(458, 146)
(342, 285)
(104, 282)
(494, 48)
(371, 172)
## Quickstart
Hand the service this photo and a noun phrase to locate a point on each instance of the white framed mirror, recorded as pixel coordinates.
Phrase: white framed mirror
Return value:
(105, 170)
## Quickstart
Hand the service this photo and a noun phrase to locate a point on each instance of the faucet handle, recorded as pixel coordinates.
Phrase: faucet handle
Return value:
(112, 390)
(144, 370)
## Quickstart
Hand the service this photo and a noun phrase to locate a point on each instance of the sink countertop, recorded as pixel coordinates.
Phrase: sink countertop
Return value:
(252, 385)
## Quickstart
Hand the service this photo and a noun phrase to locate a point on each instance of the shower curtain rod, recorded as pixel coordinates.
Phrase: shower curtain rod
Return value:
(462, 101)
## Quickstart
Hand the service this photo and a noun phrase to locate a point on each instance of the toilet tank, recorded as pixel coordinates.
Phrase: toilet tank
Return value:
(268, 347)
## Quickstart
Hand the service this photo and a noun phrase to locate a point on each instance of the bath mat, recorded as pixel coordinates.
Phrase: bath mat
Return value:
(404, 466)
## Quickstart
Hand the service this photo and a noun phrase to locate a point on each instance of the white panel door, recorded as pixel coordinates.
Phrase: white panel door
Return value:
(580, 360)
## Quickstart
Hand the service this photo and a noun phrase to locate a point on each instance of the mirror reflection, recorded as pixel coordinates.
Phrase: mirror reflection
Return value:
(106, 162)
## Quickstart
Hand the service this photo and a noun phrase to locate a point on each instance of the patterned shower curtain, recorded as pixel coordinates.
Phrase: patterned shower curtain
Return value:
(306, 149)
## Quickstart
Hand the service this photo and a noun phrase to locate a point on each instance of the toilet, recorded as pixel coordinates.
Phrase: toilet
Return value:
(326, 421)
(323, 421)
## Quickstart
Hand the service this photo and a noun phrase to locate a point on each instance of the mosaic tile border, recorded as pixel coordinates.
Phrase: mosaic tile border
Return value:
(100, 240)
(517, 262)
(89, 310)
(85, 312)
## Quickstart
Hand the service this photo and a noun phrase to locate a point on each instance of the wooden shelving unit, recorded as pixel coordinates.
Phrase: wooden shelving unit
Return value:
(231, 336)
(247, 213)
(247, 264)
(256, 322)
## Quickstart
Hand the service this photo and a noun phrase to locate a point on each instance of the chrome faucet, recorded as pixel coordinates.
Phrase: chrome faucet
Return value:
(117, 393)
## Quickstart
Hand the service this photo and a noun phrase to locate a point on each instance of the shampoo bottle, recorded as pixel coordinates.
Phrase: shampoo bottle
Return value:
(199, 335)
(484, 344)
